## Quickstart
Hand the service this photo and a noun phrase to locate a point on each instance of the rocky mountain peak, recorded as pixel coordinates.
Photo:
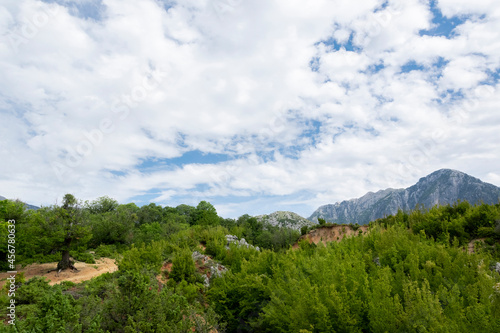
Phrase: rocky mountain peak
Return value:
(445, 186)
(285, 219)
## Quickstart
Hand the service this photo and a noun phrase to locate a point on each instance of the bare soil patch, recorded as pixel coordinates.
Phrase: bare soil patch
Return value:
(85, 271)
(163, 277)
(331, 234)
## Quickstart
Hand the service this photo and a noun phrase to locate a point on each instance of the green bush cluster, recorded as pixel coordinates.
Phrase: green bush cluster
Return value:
(418, 285)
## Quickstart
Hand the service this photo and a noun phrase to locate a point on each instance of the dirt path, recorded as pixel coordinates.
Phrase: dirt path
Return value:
(85, 271)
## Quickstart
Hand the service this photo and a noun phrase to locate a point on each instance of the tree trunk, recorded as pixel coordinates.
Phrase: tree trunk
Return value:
(65, 263)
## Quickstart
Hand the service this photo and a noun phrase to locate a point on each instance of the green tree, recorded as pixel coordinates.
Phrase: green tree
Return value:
(102, 205)
(150, 213)
(206, 214)
(183, 267)
(115, 226)
(66, 227)
(187, 212)
(10, 210)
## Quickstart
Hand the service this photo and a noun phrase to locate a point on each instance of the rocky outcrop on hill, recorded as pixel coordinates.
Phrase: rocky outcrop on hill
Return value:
(439, 188)
(240, 242)
(285, 220)
(208, 268)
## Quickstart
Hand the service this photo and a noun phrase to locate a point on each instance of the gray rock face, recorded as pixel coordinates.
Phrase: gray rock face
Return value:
(285, 220)
(439, 188)
(240, 242)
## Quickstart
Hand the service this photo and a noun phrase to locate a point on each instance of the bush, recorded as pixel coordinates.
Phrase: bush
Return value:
(304, 230)
(102, 285)
(82, 256)
(188, 290)
(354, 227)
(145, 258)
(216, 248)
(490, 241)
(108, 251)
(485, 232)
(32, 291)
(183, 267)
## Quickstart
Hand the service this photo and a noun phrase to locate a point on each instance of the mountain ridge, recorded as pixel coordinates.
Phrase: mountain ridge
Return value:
(444, 186)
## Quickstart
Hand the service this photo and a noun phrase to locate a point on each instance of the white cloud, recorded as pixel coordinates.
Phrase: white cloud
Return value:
(82, 98)
(463, 7)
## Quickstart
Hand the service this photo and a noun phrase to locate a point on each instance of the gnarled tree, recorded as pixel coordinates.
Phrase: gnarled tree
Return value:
(67, 227)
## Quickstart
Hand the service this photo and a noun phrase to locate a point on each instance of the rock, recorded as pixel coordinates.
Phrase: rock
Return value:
(285, 219)
(215, 269)
(197, 256)
(231, 239)
(242, 242)
(496, 267)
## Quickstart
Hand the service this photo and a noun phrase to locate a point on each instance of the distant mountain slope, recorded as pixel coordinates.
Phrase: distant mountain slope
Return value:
(442, 187)
(27, 205)
(285, 219)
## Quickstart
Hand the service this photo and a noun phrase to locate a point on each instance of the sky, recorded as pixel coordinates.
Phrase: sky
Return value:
(253, 105)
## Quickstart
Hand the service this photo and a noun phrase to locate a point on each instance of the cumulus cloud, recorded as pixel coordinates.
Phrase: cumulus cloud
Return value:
(301, 105)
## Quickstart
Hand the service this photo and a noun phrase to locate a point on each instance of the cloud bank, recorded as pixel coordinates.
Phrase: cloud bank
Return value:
(254, 106)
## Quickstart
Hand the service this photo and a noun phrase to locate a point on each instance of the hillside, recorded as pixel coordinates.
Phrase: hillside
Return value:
(198, 272)
(441, 187)
(285, 220)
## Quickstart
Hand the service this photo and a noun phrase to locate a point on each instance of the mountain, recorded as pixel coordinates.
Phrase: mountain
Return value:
(285, 219)
(441, 187)
(28, 206)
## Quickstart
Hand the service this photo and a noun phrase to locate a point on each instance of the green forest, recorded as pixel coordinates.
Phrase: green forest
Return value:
(411, 272)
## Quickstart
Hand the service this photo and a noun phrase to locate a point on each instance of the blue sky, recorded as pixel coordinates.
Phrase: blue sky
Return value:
(254, 106)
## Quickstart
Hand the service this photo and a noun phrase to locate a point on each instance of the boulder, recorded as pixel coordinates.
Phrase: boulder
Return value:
(240, 242)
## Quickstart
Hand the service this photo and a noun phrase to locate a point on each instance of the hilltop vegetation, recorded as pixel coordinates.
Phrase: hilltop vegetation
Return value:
(410, 273)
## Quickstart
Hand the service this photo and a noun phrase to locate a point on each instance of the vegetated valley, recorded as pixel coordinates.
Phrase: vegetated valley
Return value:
(186, 269)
